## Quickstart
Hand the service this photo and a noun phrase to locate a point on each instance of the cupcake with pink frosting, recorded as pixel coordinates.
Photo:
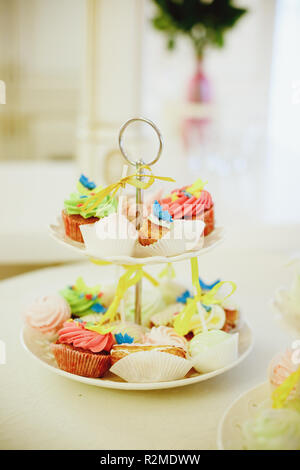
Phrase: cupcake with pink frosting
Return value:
(164, 335)
(47, 314)
(281, 367)
(81, 351)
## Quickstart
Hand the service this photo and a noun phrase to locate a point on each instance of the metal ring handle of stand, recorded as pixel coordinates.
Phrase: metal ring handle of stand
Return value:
(138, 164)
(121, 136)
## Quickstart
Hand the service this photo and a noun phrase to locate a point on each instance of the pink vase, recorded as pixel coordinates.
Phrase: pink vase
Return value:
(199, 91)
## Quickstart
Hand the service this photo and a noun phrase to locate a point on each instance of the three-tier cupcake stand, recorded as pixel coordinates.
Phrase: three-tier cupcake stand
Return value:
(40, 349)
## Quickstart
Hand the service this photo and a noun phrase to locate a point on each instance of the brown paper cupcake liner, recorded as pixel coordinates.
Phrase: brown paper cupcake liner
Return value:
(80, 363)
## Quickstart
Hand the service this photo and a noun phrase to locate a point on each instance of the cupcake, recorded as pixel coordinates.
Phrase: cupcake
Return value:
(160, 235)
(112, 236)
(273, 429)
(155, 226)
(73, 216)
(83, 300)
(47, 314)
(81, 351)
(164, 335)
(149, 363)
(281, 367)
(191, 202)
(212, 350)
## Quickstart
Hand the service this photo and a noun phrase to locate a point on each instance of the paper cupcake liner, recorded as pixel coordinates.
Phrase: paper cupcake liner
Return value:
(171, 246)
(218, 356)
(98, 247)
(80, 363)
(151, 366)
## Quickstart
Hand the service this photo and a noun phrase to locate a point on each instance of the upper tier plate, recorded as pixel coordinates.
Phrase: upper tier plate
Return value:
(212, 240)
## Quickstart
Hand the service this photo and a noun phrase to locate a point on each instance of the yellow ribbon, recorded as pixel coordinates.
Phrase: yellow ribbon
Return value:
(281, 393)
(126, 266)
(183, 319)
(131, 277)
(168, 271)
(93, 201)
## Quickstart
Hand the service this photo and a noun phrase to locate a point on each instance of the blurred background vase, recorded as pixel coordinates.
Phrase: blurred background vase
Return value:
(199, 92)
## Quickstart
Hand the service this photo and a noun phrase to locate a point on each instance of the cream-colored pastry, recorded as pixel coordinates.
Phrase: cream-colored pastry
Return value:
(119, 351)
(164, 335)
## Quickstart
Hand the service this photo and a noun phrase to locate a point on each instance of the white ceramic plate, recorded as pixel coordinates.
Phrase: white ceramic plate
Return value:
(40, 350)
(243, 408)
(212, 240)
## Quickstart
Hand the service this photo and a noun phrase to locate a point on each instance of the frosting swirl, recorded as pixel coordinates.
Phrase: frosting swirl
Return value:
(47, 313)
(83, 299)
(75, 334)
(165, 336)
(73, 205)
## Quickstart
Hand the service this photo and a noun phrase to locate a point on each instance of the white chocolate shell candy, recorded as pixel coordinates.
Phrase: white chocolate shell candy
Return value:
(151, 366)
(167, 315)
(113, 235)
(47, 314)
(164, 335)
(281, 367)
(184, 235)
(213, 350)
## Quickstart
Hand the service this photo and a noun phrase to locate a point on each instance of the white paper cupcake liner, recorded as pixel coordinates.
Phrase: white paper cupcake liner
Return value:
(98, 247)
(217, 356)
(151, 366)
(186, 235)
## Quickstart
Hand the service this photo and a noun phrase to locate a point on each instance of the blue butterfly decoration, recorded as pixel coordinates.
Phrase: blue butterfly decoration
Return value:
(86, 182)
(120, 338)
(160, 214)
(205, 286)
(206, 307)
(183, 297)
(98, 308)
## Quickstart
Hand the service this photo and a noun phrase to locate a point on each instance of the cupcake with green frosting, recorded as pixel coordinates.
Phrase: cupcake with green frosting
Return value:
(73, 216)
(83, 300)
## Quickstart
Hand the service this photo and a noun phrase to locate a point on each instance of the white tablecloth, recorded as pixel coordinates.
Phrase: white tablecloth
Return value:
(41, 410)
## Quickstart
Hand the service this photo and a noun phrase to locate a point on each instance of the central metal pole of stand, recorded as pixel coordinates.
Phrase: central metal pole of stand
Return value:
(138, 286)
(139, 201)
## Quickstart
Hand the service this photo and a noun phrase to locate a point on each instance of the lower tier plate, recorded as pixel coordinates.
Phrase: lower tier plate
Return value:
(40, 350)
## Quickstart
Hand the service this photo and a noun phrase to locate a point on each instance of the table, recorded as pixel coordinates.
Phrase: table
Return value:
(41, 410)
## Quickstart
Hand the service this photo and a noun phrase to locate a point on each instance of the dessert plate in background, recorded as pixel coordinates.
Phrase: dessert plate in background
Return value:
(212, 240)
(241, 410)
(40, 350)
